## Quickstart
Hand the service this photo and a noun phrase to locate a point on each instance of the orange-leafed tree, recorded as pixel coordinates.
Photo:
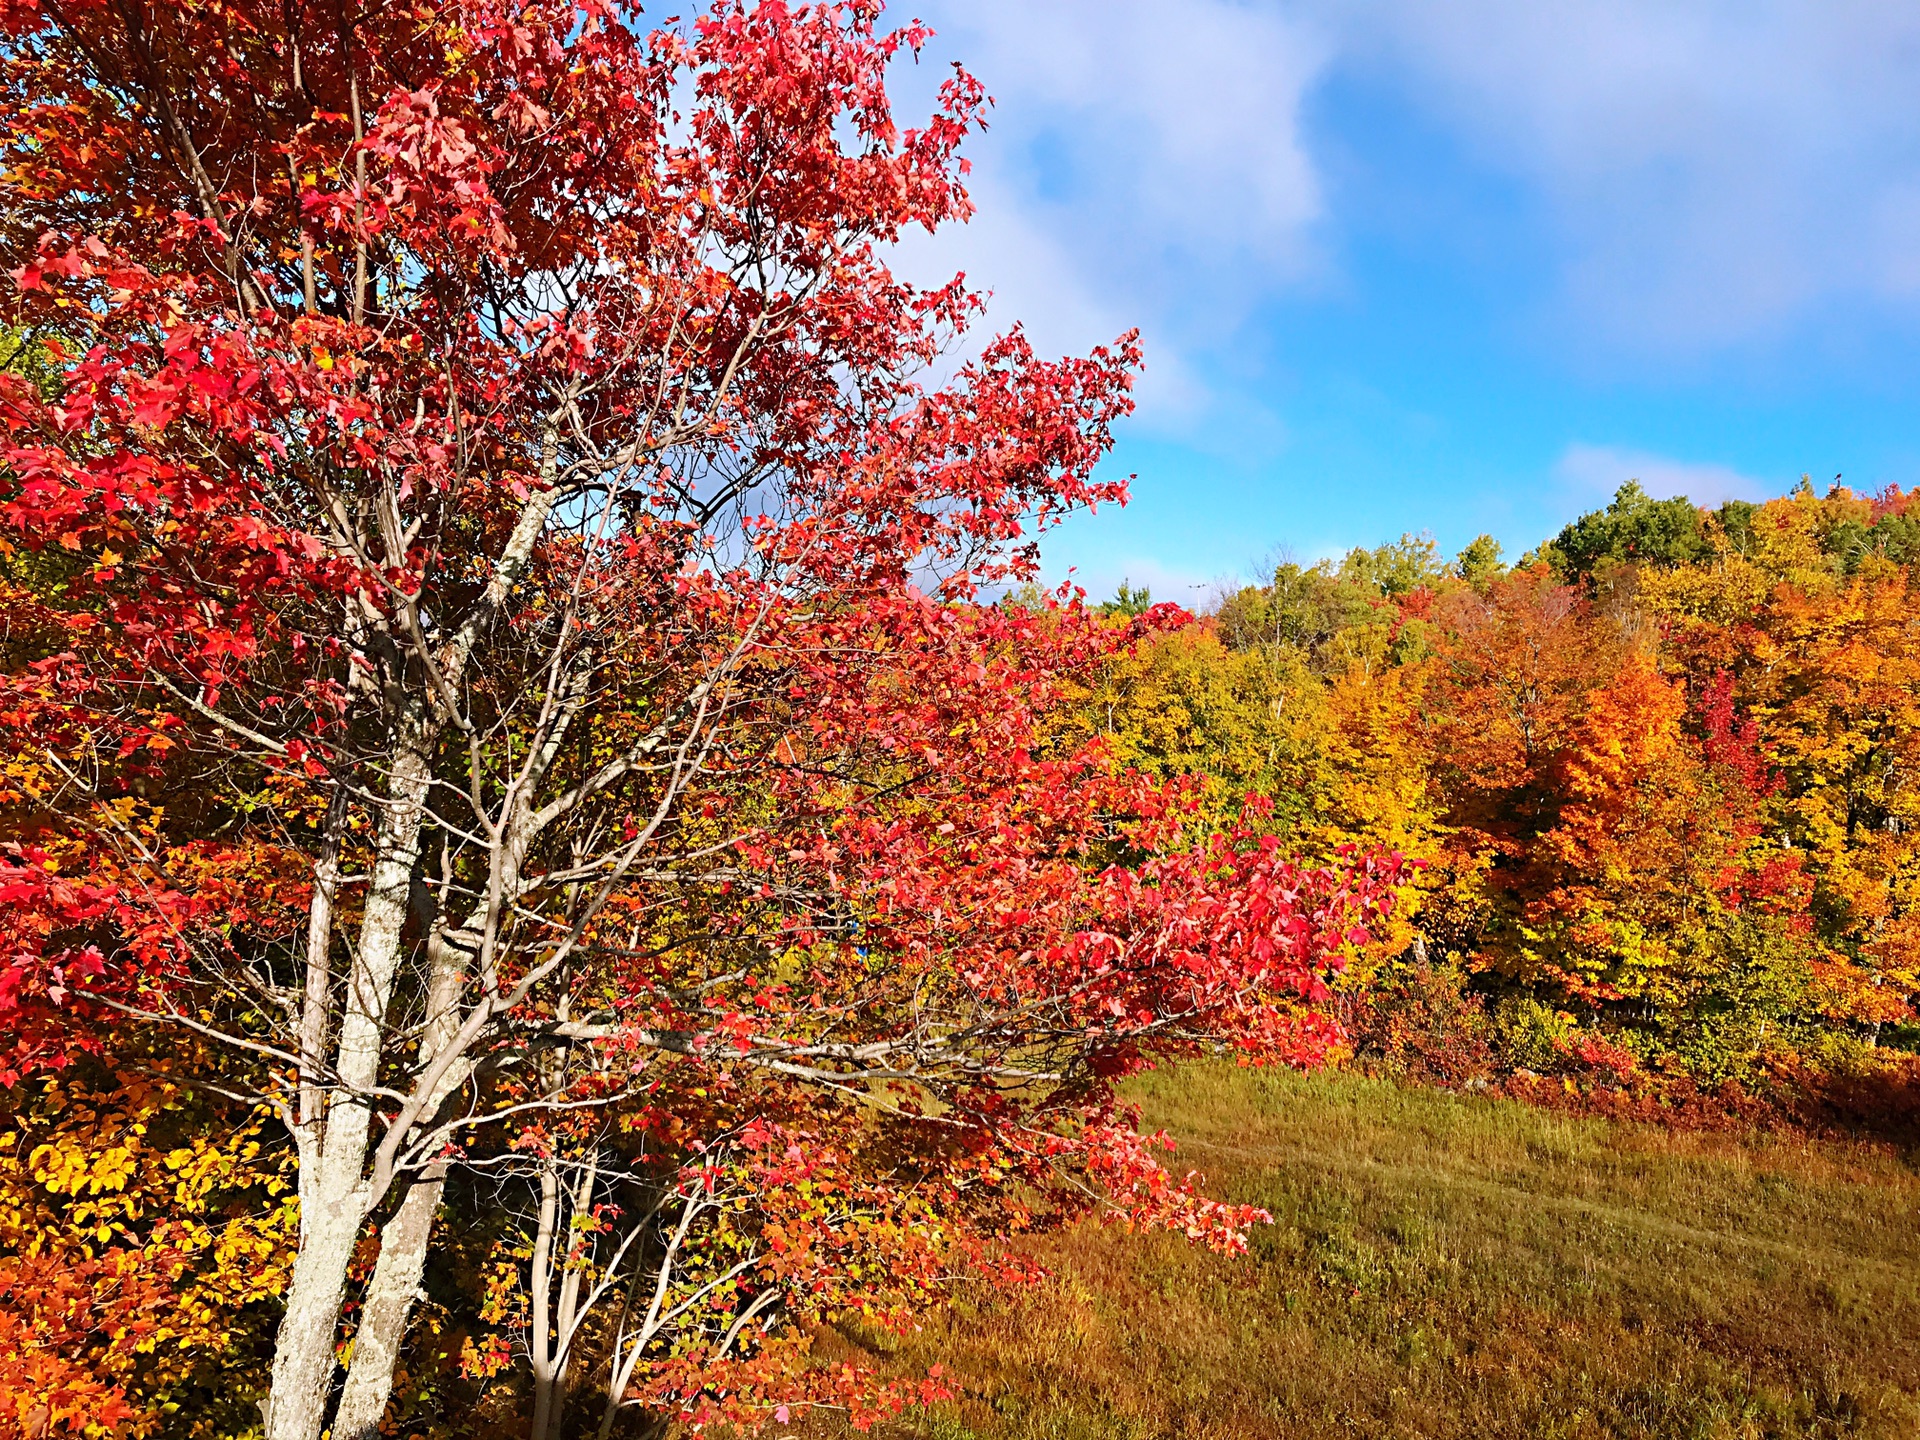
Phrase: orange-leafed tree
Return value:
(1599, 834)
(1832, 681)
(144, 1234)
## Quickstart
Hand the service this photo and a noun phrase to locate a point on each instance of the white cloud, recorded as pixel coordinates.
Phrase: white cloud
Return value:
(1140, 168)
(1187, 132)
(1714, 168)
(1034, 276)
(1593, 472)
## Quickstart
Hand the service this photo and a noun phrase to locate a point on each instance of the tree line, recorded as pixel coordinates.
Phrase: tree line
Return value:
(1660, 780)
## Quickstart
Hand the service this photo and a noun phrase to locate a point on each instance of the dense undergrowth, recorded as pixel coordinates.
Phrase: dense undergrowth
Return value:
(1428, 1026)
(1446, 1265)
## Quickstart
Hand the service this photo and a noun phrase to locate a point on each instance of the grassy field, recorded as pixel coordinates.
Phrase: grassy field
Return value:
(1446, 1266)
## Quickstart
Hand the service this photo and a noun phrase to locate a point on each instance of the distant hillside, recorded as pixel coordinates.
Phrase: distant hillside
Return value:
(1662, 779)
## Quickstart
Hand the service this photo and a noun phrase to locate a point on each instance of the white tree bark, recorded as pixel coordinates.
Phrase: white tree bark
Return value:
(405, 1238)
(395, 1285)
(550, 1335)
(335, 1191)
(333, 1205)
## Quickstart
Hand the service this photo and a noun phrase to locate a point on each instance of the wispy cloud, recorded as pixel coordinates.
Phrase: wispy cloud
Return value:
(1591, 473)
(1714, 169)
(1729, 188)
(1141, 167)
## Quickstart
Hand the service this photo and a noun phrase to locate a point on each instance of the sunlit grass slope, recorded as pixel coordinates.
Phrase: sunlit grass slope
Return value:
(1450, 1266)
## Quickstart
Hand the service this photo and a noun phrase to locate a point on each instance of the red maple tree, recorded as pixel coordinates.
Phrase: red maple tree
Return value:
(481, 467)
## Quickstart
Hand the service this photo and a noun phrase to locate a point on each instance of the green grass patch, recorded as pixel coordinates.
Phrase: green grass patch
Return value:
(1444, 1266)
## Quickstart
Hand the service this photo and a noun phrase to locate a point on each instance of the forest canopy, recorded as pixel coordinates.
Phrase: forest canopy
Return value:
(1659, 777)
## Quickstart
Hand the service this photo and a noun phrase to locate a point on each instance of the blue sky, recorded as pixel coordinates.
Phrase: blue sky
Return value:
(1462, 267)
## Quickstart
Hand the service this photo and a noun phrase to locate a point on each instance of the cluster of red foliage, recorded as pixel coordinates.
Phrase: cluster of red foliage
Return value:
(496, 658)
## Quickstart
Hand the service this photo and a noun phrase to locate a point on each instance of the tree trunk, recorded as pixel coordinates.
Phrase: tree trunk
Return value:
(383, 1320)
(550, 1336)
(303, 1353)
(405, 1238)
(540, 1321)
(304, 1347)
(303, 1358)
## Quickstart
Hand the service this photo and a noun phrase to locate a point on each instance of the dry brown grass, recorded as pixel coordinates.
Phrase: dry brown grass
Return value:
(1443, 1266)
